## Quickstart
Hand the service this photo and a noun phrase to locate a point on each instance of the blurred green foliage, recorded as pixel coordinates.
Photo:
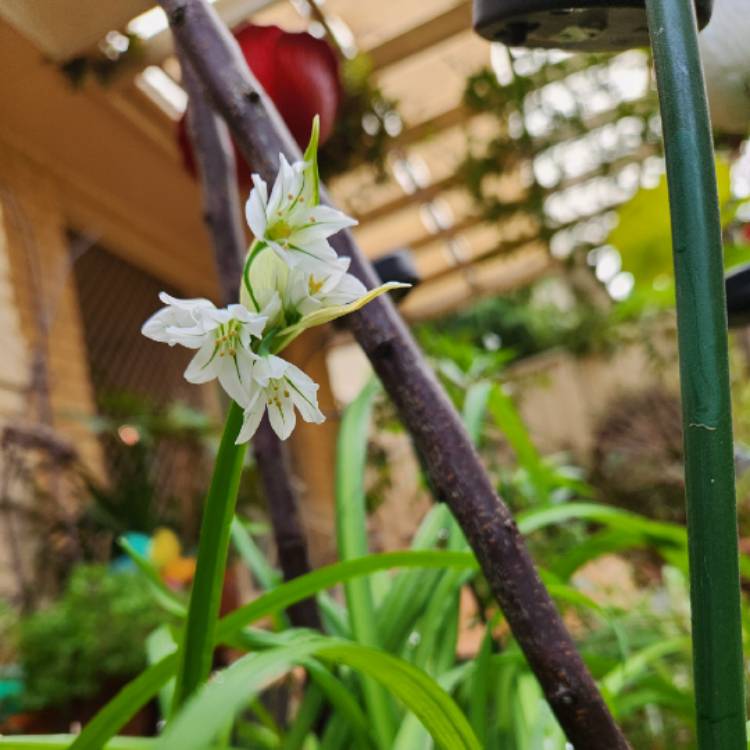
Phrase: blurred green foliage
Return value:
(643, 237)
(92, 635)
(520, 324)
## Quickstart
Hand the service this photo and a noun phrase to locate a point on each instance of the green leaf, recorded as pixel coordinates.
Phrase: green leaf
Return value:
(604, 542)
(342, 700)
(480, 684)
(218, 701)
(169, 600)
(475, 408)
(643, 234)
(656, 531)
(159, 645)
(125, 705)
(112, 717)
(351, 536)
(252, 556)
(507, 418)
(639, 663)
(410, 590)
(300, 588)
(63, 741)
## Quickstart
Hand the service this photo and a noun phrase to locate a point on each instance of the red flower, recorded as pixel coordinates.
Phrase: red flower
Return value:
(301, 76)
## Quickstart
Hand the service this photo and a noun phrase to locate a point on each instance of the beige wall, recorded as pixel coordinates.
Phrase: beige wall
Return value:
(36, 282)
(562, 397)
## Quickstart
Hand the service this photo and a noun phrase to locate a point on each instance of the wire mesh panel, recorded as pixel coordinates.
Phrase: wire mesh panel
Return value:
(150, 417)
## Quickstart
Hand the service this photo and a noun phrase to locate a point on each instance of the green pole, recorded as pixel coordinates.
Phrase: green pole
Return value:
(704, 375)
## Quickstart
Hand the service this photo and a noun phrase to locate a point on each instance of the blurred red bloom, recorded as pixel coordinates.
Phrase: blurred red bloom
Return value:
(301, 76)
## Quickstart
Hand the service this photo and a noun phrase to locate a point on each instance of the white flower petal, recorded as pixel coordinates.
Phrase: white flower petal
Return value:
(255, 209)
(156, 326)
(252, 323)
(277, 367)
(272, 309)
(186, 304)
(267, 275)
(282, 417)
(203, 366)
(234, 376)
(304, 394)
(301, 380)
(252, 416)
(191, 338)
(316, 257)
(289, 181)
(269, 368)
(347, 290)
(319, 223)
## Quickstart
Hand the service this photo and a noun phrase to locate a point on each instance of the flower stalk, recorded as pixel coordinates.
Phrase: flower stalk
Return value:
(221, 210)
(197, 647)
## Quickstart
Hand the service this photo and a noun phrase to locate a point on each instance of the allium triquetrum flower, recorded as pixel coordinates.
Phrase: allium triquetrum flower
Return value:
(309, 297)
(291, 221)
(280, 387)
(221, 336)
(292, 280)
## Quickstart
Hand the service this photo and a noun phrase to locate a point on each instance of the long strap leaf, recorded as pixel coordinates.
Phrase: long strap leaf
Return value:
(351, 535)
(218, 701)
(112, 717)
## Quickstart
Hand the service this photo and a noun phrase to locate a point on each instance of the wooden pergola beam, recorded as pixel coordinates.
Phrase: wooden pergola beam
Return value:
(422, 36)
(495, 250)
(233, 12)
(423, 195)
(420, 131)
(448, 233)
(430, 192)
(491, 276)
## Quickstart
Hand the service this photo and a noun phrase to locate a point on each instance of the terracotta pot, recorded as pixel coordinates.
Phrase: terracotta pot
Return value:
(56, 720)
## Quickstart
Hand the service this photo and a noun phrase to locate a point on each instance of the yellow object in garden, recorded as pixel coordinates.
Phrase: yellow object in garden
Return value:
(179, 572)
(165, 547)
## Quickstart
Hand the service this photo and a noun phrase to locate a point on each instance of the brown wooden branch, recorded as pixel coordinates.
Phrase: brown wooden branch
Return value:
(217, 169)
(221, 206)
(453, 464)
(285, 521)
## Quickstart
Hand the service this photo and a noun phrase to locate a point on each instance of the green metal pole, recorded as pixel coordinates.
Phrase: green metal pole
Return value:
(704, 374)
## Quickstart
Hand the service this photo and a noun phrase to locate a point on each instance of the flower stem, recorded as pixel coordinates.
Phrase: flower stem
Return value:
(196, 652)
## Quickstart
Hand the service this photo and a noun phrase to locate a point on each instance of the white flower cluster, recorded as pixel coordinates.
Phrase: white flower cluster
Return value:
(292, 280)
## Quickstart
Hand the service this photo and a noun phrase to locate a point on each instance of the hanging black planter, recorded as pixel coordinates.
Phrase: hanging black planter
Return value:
(587, 25)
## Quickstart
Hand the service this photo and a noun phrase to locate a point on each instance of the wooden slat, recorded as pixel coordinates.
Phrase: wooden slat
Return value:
(492, 276)
(64, 28)
(232, 12)
(467, 222)
(420, 196)
(503, 248)
(432, 126)
(433, 190)
(422, 36)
